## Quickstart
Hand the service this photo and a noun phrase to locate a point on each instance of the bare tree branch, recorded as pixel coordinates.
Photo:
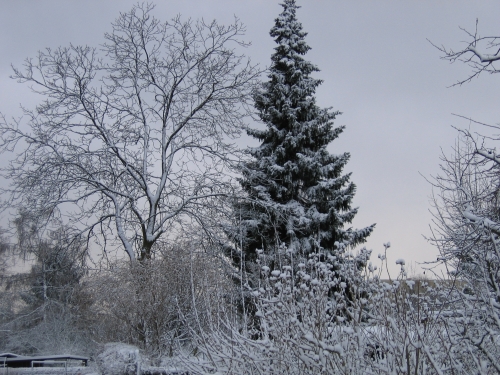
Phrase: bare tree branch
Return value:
(474, 54)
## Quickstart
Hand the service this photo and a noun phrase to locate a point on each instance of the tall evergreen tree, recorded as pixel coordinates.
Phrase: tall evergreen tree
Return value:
(296, 193)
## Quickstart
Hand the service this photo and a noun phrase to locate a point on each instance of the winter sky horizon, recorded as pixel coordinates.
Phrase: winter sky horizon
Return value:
(378, 69)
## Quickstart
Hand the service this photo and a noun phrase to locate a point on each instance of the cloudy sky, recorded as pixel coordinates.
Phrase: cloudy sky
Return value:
(378, 69)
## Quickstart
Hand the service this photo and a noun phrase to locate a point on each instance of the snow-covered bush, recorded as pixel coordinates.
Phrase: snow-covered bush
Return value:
(150, 304)
(119, 359)
(407, 327)
(310, 322)
(424, 326)
(312, 314)
(314, 322)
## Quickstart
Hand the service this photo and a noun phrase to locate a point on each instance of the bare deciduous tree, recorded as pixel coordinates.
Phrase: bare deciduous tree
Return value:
(467, 234)
(133, 136)
(467, 222)
(467, 213)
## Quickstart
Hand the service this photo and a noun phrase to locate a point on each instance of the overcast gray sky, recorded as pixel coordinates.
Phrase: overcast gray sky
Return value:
(377, 66)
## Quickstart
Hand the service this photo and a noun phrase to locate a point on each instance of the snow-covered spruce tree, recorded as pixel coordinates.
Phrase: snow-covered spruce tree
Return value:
(296, 194)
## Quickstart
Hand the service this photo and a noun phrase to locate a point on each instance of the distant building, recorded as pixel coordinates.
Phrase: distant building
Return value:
(15, 360)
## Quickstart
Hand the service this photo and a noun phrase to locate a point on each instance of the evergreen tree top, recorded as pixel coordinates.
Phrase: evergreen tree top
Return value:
(288, 67)
(287, 31)
(286, 103)
(297, 194)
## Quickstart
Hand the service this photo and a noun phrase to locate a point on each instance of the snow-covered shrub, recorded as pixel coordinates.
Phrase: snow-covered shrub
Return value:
(312, 314)
(439, 326)
(405, 327)
(311, 322)
(150, 304)
(314, 322)
(119, 359)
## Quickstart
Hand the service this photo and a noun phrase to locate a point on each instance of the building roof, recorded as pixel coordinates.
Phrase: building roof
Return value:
(8, 355)
(14, 360)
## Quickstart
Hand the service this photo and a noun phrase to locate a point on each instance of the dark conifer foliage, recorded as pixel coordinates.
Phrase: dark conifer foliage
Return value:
(296, 193)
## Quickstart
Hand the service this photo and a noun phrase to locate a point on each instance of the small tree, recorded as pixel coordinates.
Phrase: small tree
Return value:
(132, 136)
(46, 305)
(296, 194)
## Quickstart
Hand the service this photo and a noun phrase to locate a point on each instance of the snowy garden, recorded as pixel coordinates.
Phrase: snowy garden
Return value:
(154, 245)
